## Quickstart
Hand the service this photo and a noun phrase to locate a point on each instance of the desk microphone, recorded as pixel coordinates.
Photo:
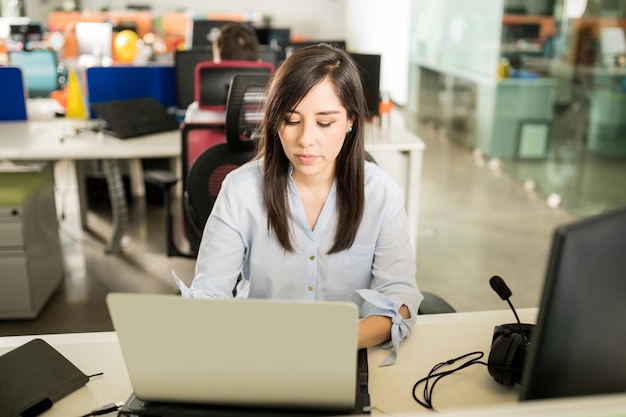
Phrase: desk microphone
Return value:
(509, 342)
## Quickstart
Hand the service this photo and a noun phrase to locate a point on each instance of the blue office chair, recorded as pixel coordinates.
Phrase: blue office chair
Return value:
(13, 103)
(40, 70)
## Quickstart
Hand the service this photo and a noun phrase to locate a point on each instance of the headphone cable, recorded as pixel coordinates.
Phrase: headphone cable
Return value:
(427, 402)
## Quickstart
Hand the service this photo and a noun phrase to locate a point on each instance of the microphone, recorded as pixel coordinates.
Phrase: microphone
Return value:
(500, 287)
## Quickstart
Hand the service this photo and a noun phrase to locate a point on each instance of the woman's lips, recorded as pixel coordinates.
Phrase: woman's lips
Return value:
(306, 158)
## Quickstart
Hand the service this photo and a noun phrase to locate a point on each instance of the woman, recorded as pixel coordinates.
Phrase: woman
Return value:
(309, 218)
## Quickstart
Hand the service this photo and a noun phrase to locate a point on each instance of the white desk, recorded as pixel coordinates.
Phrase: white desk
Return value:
(58, 140)
(66, 139)
(399, 139)
(434, 338)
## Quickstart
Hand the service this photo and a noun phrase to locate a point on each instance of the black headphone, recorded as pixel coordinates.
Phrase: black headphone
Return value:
(509, 347)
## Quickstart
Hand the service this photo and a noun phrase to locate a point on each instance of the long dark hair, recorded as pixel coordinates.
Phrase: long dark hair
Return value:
(297, 75)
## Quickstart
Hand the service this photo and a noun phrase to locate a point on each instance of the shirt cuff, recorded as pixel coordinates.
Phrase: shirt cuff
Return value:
(384, 306)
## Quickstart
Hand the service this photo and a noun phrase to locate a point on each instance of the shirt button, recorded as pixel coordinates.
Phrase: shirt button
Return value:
(312, 257)
(310, 288)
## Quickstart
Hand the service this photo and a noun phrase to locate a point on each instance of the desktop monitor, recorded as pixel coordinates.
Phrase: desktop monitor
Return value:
(369, 64)
(185, 64)
(94, 39)
(578, 346)
(213, 80)
(271, 55)
(26, 33)
(273, 36)
(203, 32)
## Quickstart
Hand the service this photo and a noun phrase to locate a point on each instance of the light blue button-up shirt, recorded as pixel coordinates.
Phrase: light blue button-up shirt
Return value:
(377, 272)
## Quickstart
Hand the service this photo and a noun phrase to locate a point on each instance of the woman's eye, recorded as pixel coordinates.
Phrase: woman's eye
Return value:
(324, 125)
(291, 122)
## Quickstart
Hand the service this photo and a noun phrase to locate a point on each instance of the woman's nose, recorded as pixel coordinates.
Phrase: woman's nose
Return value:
(307, 134)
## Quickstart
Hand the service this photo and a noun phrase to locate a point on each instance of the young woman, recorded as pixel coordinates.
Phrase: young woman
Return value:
(309, 218)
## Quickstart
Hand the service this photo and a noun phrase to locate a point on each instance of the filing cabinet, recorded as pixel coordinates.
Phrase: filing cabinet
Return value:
(31, 260)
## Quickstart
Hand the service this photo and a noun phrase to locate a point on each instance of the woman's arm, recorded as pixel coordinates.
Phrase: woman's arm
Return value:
(374, 330)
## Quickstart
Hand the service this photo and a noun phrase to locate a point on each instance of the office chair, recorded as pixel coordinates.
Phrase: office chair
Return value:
(39, 67)
(245, 98)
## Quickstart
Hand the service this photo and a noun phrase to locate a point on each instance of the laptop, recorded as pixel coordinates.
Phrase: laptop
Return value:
(192, 357)
(135, 117)
(577, 346)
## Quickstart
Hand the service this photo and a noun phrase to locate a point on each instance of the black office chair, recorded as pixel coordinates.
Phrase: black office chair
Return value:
(204, 177)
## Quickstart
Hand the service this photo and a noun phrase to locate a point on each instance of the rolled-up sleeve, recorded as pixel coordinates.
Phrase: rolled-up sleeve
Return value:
(393, 270)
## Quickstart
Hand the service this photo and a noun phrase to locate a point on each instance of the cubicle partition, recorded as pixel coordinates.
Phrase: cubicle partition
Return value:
(123, 82)
(13, 103)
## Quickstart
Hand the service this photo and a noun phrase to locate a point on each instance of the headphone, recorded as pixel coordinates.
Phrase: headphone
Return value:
(509, 347)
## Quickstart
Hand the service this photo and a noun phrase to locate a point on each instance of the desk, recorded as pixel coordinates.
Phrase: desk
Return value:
(63, 139)
(434, 338)
(437, 338)
(58, 140)
(399, 139)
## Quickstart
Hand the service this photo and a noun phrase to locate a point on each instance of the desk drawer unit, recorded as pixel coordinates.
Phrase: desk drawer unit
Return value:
(31, 261)
(10, 228)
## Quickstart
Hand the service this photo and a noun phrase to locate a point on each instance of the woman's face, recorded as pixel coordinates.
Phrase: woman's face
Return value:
(313, 133)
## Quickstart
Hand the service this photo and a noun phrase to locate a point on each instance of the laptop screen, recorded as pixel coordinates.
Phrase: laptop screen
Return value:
(579, 344)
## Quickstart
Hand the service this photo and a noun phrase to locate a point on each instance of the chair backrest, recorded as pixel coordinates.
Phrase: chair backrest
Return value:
(39, 68)
(204, 181)
(212, 80)
(244, 110)
(13, 103)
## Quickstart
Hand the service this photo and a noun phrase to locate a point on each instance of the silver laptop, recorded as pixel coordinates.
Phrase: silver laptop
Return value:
(243, 352)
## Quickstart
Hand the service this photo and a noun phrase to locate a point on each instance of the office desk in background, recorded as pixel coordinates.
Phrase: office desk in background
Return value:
(58, 139)
(69, 139)
(434, 338)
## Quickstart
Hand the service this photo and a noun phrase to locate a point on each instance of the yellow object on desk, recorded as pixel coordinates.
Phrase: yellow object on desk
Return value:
(75, 103)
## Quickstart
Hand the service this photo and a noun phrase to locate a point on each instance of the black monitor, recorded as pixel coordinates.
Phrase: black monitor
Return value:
(214, 82)
(271, 55)
(26, 34)
(204, 31)
(185, 64)
(578, 347)
(369, 64)
(271, 36)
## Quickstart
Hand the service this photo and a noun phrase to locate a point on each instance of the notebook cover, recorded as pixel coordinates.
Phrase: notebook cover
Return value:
(34, 376)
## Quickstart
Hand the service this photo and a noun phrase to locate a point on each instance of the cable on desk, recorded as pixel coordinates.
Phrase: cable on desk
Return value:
(433, 374)
(105, 409)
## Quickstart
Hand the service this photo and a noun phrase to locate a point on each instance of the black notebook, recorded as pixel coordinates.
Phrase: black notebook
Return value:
(135, 117)
(34, 376)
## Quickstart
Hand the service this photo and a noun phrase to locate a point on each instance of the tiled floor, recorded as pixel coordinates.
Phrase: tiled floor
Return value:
(475, 221)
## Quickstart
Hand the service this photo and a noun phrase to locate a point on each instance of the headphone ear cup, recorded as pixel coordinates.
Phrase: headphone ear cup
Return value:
(505, 358)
